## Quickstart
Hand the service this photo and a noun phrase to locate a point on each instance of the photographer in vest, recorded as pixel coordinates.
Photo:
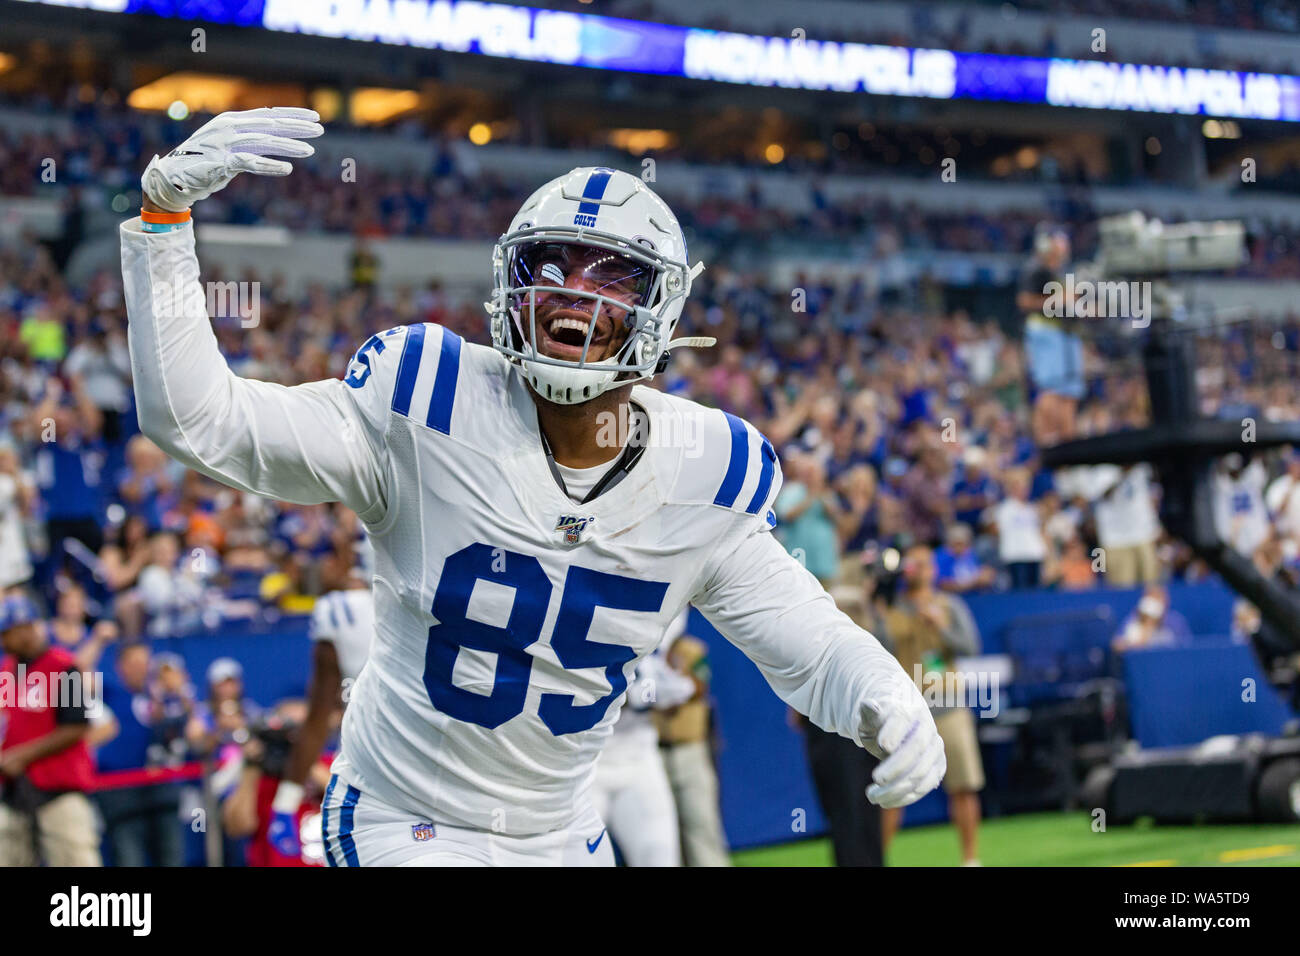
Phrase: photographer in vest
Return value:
(45, 765)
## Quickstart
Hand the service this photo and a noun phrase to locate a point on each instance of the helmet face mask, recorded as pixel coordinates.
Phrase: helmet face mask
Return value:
(576, 302)
(590, 258)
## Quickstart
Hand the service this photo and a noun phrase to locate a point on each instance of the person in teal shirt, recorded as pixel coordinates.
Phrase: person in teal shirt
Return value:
(806, 510)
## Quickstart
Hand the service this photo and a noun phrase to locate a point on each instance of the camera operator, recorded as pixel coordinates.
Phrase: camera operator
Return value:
(929, 629)
(246, 808)
(1053, 352)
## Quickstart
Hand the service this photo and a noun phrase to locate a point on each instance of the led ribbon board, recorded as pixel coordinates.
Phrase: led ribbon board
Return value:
(610, 43)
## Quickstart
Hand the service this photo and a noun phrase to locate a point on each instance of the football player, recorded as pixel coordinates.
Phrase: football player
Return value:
(342, 629)
(539, 515)
(631, 789)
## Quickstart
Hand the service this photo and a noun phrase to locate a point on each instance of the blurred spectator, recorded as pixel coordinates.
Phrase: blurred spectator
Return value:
(685, 742)
(45, 765)
(255, 774)
(973, 490)
(147, 486)
(225, 716)
(1054, 353)
(69, 464)
(806, 509)
(926, 492)
(363, 266)
(841, 769)
(1153, 623)
(69, 629)
(1021, 546)
(141, 821)
(42, 332)
(857, 520)
(1073, 569)
(1127, 524)
(1283, 500)
(929, 629)
(173, 709)
(16, 500)
(959, 568)
(1240, 515)
(126, 553)
(171, 588)
(102, 363)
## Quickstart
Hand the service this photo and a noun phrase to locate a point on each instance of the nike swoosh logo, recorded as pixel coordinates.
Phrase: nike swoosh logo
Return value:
(592, 844)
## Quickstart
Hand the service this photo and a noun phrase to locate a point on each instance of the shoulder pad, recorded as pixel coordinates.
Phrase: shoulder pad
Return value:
(731, 466)
(417, 368)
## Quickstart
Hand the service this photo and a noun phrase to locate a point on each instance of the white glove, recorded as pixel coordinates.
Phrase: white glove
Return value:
(226, 146)
(900, 730)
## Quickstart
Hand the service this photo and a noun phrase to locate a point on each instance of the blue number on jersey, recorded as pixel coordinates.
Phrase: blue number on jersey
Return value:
(584, 591)
(356, 377)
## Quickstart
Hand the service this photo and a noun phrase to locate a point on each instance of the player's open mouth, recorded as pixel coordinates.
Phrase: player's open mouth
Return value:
(561, 334)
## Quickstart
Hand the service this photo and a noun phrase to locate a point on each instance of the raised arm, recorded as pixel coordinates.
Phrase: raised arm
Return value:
(306, 444)
(822, 664)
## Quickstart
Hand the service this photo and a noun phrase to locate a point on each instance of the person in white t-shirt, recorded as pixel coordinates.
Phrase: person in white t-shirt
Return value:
(1239, 513)
(15, 498)
(1283, 500)
(1128, 526)
(1021, 546)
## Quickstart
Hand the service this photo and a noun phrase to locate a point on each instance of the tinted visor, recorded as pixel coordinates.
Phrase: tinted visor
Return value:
(607, 273)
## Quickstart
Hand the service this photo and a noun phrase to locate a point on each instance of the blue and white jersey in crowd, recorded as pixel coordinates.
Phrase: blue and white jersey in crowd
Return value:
(347, 620)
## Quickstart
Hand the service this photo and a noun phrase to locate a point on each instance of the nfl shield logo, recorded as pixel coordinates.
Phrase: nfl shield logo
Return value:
(572, 526)
(423, 832)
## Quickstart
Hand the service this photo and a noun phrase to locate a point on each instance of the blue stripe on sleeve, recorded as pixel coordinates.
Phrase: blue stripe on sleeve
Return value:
(408, 369)
(444, 384)
(738, 464)
(768, 454)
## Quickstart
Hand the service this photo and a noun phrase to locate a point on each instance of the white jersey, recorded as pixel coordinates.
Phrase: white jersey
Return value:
(1124, 509)
(655, 686)
(15, 565)
(347, 620)
(1240, 515)
(508, 619)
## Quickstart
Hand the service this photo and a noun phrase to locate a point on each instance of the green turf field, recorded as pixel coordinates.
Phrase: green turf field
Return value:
(1067, 839)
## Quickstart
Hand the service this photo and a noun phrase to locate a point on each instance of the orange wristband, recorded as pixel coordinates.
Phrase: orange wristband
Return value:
(165, 218)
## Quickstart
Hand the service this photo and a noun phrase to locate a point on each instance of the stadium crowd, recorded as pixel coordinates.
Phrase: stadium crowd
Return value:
(896, 425)
(96, 163)
(894, 419)
(900, 421)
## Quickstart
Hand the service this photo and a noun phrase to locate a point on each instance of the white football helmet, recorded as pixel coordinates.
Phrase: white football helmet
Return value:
(604, 209)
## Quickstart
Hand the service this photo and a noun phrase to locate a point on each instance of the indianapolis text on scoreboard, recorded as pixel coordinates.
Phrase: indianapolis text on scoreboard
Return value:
(610, 43)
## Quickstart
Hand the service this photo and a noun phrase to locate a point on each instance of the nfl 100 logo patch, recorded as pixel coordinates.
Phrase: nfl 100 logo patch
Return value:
(573, 526)
(423, 832)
